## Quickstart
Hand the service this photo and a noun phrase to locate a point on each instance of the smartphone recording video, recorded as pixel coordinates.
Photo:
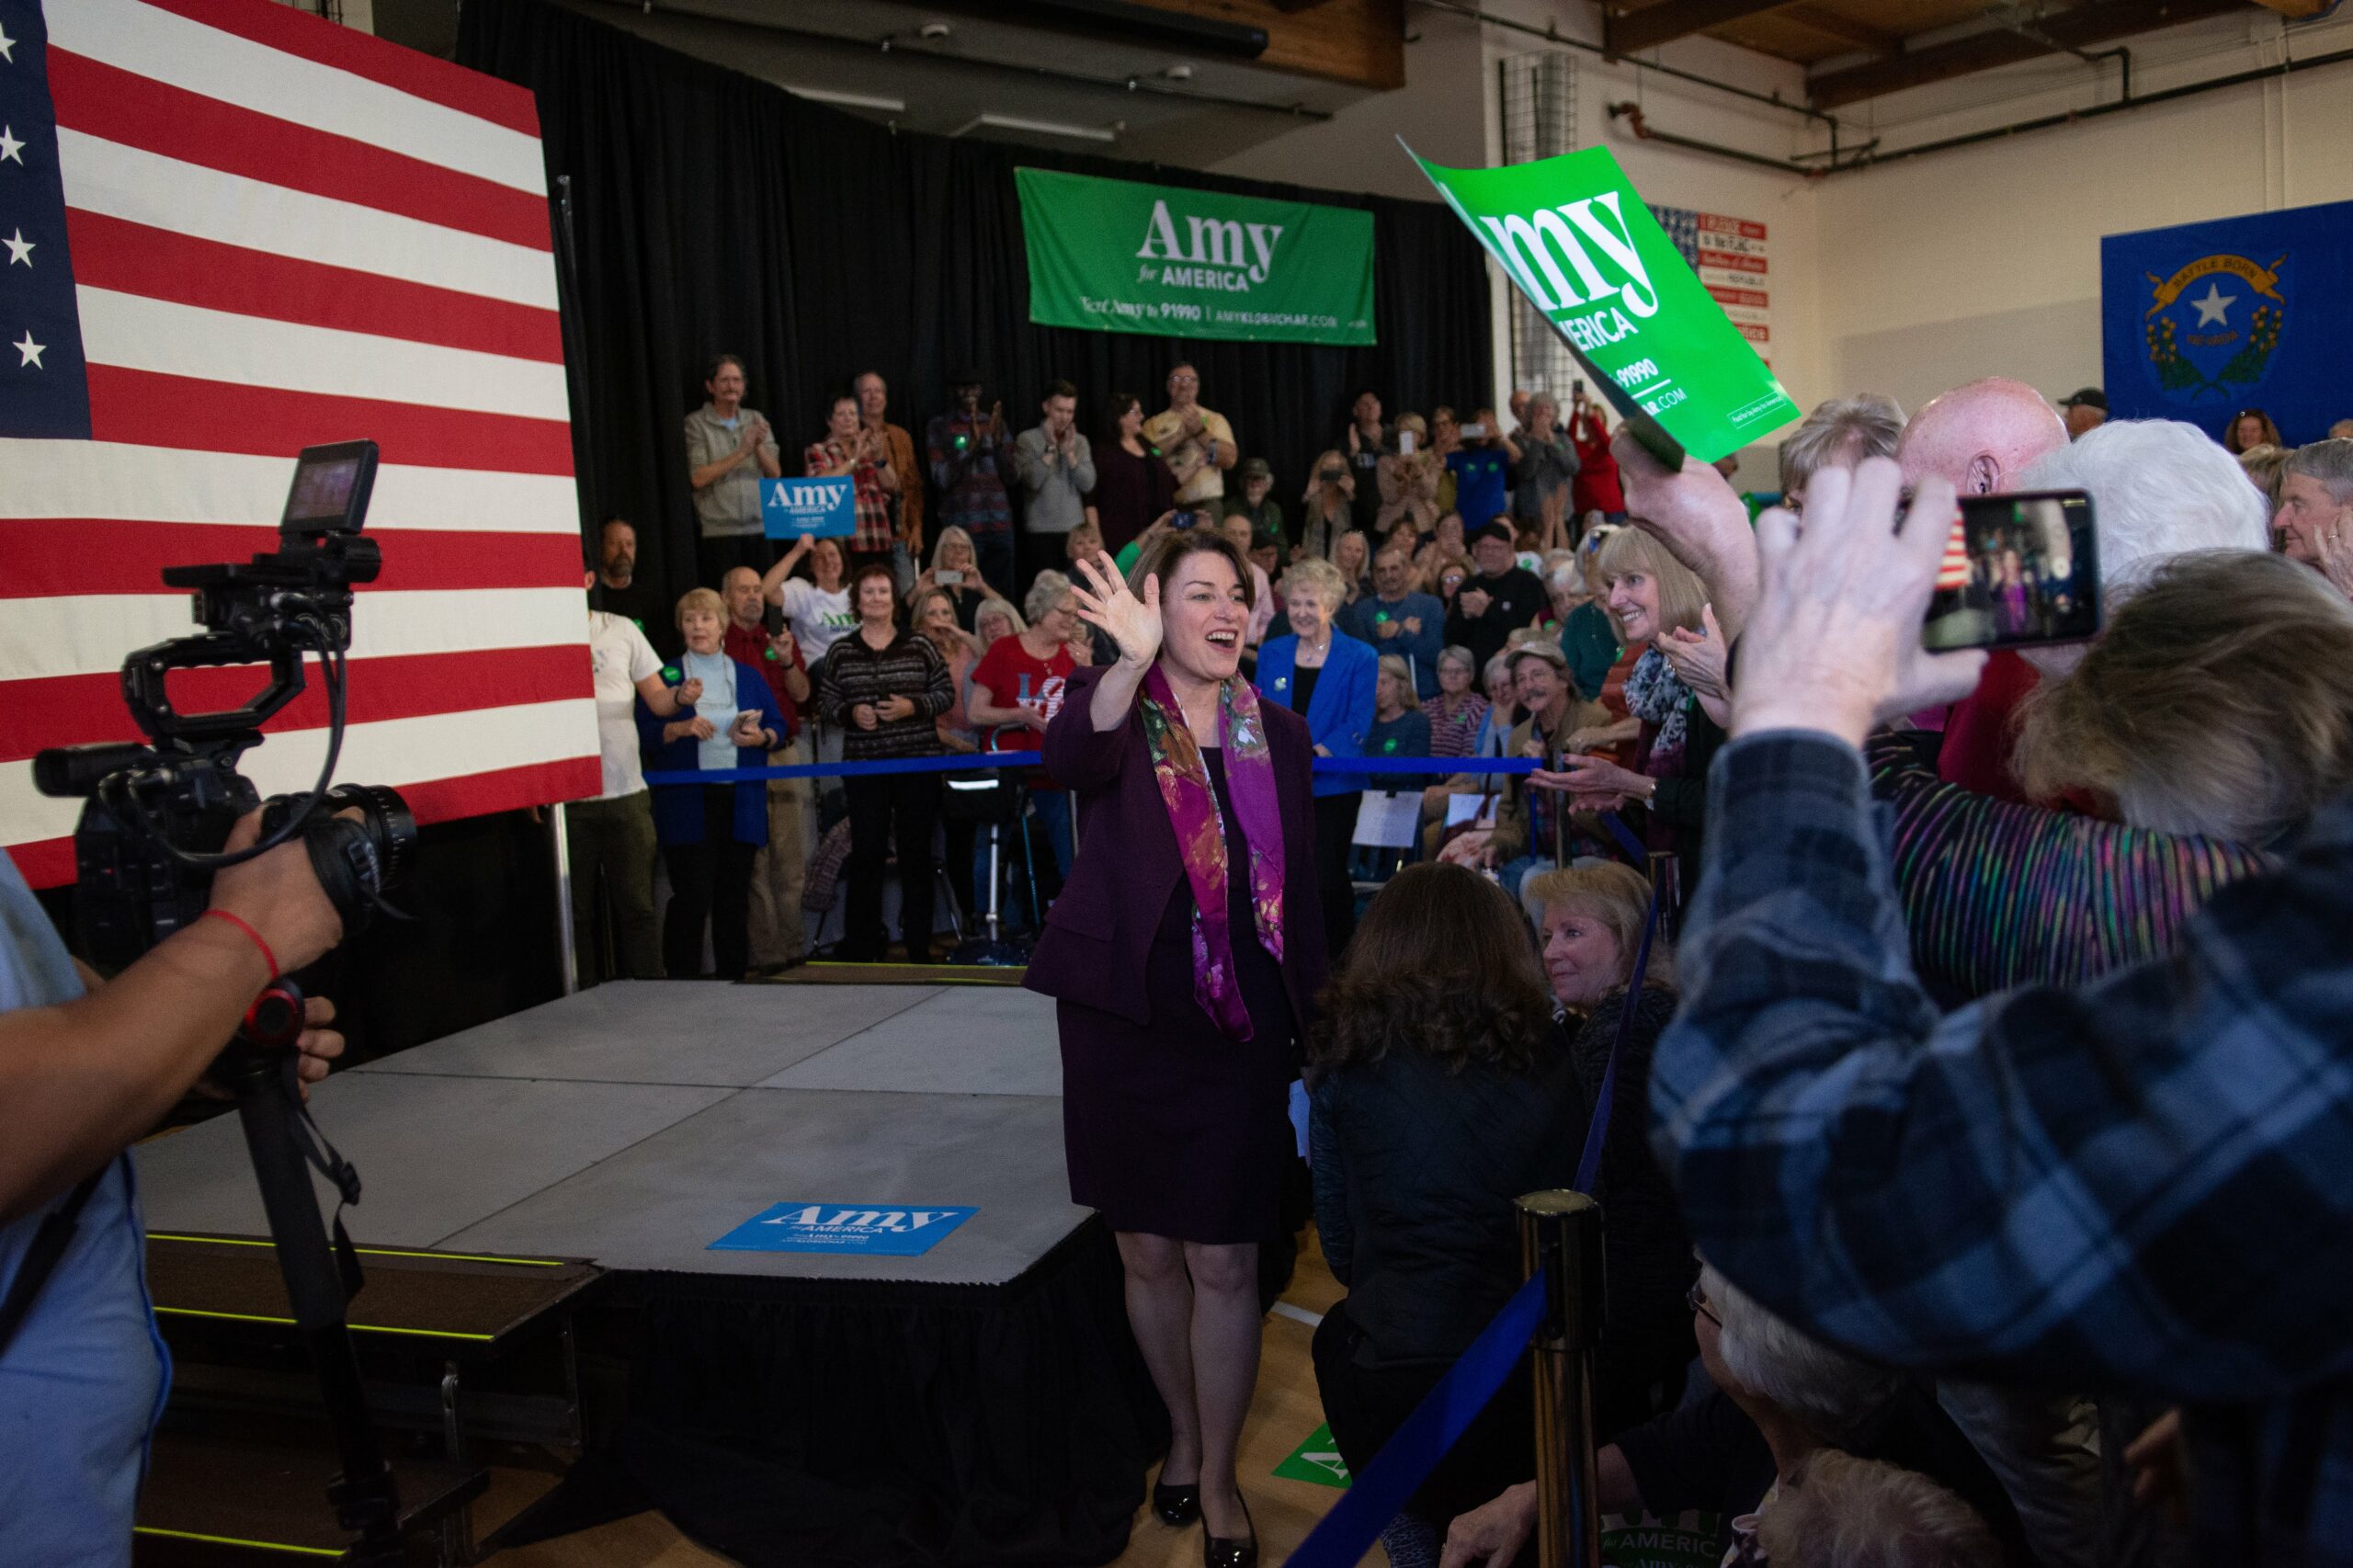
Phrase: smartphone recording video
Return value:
(2021, 571)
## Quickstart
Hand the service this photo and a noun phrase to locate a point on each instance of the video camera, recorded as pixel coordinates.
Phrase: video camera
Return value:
(153, 833)
(151, 837)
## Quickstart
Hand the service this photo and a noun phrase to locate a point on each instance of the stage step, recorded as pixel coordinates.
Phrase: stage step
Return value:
(449, 1303)
(212, 1501)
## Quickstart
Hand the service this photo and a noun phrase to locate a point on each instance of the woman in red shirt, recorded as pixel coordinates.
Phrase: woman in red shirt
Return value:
(1596, 487)
(1018, 684)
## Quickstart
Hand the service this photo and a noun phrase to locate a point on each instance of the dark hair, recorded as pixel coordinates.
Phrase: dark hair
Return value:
(2269, 438)
(876, 568)
(612, 522)
(1063, 389)
(1115, 408)
(711, 371)
(1162, 562)
(838, 399)
(1441, 963)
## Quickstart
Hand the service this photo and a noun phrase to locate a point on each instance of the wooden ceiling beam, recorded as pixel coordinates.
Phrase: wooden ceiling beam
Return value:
(1846, 29)
(2077, 29)
(1631, 32)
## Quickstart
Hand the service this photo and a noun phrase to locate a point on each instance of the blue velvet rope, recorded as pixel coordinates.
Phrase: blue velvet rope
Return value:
(1348, 1532)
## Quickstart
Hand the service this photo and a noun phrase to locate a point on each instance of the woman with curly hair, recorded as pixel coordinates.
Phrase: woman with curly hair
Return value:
(1441, 1090)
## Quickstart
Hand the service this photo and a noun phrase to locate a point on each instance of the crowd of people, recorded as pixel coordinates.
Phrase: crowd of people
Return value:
(2002, 915)
(1422, 545)
(1141, 610)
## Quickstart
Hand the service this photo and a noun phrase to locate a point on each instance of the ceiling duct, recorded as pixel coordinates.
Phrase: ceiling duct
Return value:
(1117, 21)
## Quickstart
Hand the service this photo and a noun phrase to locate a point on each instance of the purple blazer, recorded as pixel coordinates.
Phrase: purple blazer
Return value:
(1098, 932)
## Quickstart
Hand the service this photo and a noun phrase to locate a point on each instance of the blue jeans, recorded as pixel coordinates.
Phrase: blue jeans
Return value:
(993, 553)
(1053, 819)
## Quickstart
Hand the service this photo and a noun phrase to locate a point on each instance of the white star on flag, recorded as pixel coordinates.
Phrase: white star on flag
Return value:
(8, 145)
(2211, 310)
(29, 349)
(19, 248)
(7, 48)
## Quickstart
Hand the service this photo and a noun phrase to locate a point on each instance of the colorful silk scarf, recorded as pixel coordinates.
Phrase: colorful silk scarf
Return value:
(1185, 789)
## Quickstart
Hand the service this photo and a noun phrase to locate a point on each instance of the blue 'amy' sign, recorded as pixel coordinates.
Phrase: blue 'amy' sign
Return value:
(863, 1228)
(822, 509)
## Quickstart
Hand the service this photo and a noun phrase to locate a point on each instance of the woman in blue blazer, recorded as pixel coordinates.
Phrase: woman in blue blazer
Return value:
(1327, 677)
(710, 833)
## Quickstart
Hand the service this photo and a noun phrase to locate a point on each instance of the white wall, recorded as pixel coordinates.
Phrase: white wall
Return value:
(1985, 260)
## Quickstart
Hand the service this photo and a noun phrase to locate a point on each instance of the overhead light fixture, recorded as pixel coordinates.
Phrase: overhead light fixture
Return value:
(850, 100)
(1039, 127)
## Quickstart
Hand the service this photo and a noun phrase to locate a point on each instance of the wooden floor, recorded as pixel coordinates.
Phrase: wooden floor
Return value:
(1283, 1415)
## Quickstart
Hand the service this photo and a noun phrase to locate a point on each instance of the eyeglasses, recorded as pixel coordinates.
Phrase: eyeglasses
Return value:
(1696, 1300)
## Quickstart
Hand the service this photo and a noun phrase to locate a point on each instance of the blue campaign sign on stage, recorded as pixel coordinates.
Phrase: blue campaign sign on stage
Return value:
(2204, 320)
(870, 1230)
(821, 509)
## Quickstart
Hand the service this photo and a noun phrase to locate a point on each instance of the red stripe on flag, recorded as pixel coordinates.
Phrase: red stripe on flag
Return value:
(148, 408)
(505, 789)
(315, 39)
(110, 253)
(71, 710)
(135, 111)
(49, 862)
(45, 556)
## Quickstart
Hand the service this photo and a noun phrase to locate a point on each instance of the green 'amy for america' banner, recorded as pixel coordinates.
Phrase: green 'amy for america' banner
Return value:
(1578, 241)
(1118, 256)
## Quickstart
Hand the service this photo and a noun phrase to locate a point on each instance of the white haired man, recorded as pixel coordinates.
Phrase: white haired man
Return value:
(2315, 522)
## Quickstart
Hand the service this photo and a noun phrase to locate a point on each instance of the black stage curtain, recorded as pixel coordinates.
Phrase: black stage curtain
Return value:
(698, 211)
(823, 1424)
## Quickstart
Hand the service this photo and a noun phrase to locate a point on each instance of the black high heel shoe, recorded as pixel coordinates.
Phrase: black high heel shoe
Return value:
(1216, 1552)
(1177, 1506)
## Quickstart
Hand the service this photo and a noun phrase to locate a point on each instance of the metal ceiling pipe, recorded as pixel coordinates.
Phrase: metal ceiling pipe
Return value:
(1868, 155)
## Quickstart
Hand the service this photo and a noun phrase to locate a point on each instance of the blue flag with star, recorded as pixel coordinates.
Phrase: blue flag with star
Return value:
(2203, 321)
(44, 387)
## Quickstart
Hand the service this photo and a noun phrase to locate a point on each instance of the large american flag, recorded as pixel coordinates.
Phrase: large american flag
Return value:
(229, 229)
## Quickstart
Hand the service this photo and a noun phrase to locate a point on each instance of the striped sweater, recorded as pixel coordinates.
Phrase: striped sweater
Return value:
(854, 672)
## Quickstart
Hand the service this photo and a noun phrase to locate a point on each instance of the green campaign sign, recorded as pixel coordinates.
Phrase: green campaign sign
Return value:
(1577, 241)
(1316, 1461)
(1116, 255)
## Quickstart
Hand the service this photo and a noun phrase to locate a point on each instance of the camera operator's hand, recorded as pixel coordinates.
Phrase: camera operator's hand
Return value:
(317, 1045)
(80, 1081)
(278, 895)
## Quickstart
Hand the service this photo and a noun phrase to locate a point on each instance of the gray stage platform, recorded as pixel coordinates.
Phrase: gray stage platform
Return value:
(638, 1122)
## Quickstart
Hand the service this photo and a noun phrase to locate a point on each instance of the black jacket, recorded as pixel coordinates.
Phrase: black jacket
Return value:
(1415, 1171)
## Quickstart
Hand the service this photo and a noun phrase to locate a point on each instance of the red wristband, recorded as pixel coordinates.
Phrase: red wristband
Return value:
(267, 956)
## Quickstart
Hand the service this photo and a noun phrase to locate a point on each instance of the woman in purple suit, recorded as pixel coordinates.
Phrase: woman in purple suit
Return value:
(1186, 952)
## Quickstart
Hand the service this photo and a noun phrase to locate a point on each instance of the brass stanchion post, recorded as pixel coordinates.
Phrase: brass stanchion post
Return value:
(1560, 1236)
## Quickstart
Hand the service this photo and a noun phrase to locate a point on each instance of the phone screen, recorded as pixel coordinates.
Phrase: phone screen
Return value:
(2021, 572)
(1405, 443)
(1474, 432)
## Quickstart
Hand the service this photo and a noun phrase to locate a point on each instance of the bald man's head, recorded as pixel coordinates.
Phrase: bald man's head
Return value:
(740, 588)
(1980, 436)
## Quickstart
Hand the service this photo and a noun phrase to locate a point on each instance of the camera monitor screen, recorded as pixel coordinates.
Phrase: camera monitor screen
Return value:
(330, 490)
(2022, 572)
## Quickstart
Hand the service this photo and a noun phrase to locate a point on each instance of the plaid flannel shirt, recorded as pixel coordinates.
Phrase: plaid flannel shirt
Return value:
(871, 503)
(2143, 1182)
